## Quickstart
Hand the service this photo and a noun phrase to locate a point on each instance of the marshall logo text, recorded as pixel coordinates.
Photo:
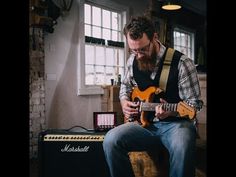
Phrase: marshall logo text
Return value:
(68, 148)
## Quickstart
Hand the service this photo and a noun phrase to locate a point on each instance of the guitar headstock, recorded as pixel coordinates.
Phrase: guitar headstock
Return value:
(185, 110)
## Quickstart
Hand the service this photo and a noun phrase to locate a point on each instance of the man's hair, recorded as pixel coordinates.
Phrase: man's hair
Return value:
(139, 25)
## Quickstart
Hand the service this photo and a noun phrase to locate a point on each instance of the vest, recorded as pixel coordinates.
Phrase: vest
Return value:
(144, 80)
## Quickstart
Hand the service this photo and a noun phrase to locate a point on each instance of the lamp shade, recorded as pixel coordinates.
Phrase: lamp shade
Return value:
(171, 5)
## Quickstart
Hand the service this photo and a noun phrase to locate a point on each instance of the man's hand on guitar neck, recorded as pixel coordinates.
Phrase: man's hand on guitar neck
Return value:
(130, 109)
(161, 113)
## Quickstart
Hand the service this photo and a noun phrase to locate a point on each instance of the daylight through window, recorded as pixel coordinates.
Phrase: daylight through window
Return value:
(184, 42)
(104, 46)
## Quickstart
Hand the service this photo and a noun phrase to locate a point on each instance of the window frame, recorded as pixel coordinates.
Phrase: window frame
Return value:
(83, 89)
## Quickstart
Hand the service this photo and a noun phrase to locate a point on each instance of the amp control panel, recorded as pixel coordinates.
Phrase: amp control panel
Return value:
(59, 137)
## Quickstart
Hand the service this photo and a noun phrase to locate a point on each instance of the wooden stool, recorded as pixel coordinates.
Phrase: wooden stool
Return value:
(150, 164)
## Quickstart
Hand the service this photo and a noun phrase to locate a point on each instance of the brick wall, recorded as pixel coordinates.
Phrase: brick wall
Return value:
(36, 88)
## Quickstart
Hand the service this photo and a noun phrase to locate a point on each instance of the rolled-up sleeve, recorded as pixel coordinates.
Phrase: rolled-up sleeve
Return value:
(128, 81)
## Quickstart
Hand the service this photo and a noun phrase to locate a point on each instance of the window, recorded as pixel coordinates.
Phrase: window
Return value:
(103, 62)
(102, 47)
(184, 42)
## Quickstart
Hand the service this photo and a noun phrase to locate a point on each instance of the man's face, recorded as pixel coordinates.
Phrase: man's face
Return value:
(144, 51)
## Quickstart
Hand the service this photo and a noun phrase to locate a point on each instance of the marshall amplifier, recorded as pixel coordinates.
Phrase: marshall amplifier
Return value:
(71, 154)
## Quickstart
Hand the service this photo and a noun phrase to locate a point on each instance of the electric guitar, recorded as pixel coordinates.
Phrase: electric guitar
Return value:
(145, 98)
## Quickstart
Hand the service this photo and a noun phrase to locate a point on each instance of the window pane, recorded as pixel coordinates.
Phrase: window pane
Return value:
(114, 35)
(100, 60)
(87, 30)
(177, 48)
(106, 19)
(184, 42)
(103, 63)
(182, 39)
(114, 21)
(109, 57)
(89, 54)
(119, 36)
(189, 52)
(96, 32)
(117, 70)
(89, 71)
(99, 75)
(177, 34)
(116, 57)
(119, 22)
(87, 11)
(189, 41)
(97, 16)
(106, 34)
(121, 57)
(110, 71)
(109, 75)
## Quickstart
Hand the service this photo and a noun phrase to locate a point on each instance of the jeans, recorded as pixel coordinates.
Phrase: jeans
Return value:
(179, 137)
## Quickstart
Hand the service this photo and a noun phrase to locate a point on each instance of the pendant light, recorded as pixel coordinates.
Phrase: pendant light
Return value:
(171, 5)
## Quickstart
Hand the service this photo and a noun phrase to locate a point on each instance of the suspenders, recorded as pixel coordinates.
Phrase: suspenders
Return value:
(166, 69)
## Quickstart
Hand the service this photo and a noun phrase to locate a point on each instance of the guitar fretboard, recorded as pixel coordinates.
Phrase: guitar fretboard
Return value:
(151, 106)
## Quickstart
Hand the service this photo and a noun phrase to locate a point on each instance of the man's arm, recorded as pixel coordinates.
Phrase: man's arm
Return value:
(128, 107)
(189, 88)
(126, 86)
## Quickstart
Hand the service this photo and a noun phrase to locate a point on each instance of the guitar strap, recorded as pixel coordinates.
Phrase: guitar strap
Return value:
(166, 69)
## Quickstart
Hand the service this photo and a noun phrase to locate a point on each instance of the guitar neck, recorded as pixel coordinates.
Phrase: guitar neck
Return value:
(151, 106)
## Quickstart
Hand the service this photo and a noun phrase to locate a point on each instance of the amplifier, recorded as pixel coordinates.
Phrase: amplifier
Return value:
(71, 154)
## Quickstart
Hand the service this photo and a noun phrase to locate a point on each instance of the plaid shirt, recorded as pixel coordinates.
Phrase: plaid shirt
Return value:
(188, 83)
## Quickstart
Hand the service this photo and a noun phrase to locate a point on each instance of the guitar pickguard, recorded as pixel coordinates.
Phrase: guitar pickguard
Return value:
(152, 94)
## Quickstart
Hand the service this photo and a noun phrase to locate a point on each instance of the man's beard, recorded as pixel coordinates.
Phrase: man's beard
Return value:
(147, 62)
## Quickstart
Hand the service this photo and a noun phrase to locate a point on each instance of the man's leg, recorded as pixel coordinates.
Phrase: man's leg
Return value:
(179, 138)
(121, 140)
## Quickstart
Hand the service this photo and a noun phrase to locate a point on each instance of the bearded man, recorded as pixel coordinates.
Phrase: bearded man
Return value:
(168, 128)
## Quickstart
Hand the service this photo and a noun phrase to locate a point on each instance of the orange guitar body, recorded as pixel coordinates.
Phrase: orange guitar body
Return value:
(144, 96)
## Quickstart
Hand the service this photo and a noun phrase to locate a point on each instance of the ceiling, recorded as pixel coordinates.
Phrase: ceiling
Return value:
(197, 6)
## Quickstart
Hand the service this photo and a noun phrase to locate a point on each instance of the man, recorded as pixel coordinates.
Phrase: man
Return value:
(143, 70)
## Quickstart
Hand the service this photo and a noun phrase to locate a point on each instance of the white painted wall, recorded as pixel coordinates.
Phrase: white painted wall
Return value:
(64, 108)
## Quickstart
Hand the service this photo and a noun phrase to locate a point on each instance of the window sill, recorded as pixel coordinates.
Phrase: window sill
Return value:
(91, 91)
